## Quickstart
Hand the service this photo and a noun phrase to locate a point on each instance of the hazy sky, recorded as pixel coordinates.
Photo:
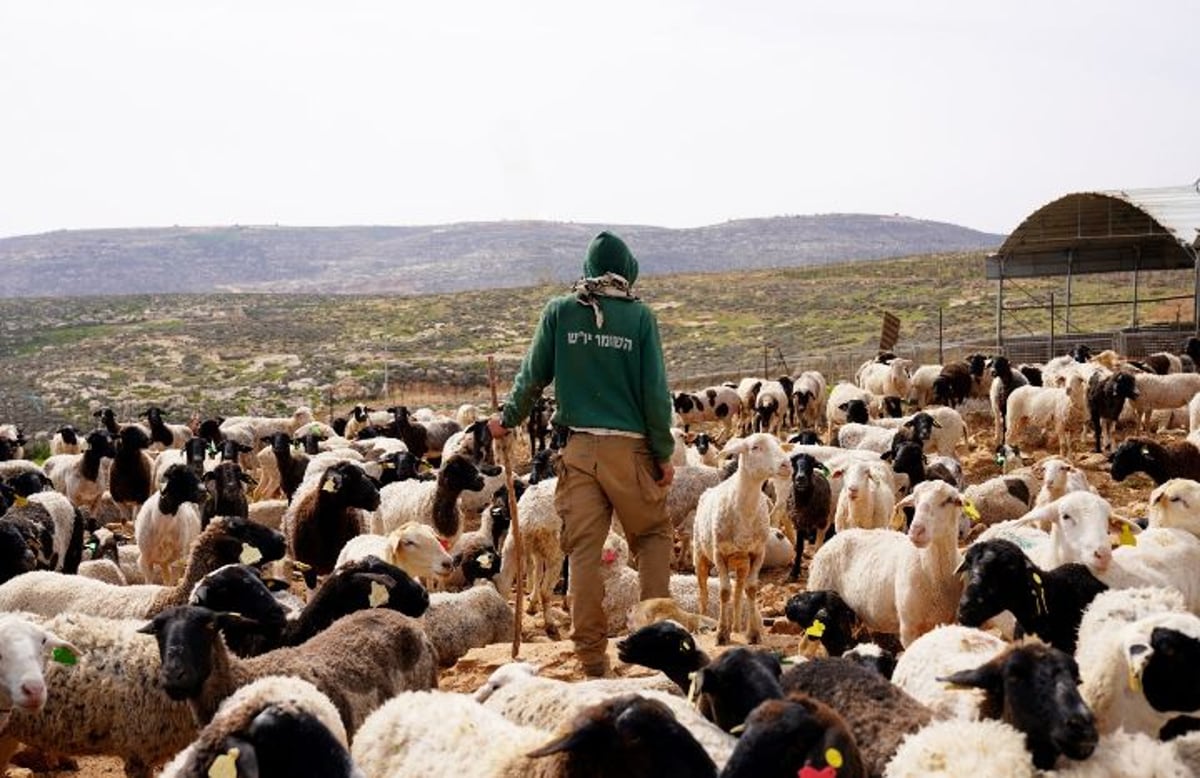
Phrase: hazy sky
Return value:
(117, 113)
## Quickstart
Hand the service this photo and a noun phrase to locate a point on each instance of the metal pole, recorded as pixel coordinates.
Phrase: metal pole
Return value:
(941, 359)
(1137, 263)
(1196, 295)
(1052, 352)
(1070, 264)
(1000, 304)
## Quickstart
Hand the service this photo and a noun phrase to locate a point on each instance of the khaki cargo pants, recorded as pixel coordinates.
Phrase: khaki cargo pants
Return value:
(600, 474)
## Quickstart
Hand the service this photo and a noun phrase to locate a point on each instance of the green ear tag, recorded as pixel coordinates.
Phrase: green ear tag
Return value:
(64, 656)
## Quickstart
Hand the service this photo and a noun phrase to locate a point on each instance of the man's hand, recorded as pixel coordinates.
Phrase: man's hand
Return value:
(668, 474)
(495, 427)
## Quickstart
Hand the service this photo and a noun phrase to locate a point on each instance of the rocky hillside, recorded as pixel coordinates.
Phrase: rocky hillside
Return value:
(444, 258)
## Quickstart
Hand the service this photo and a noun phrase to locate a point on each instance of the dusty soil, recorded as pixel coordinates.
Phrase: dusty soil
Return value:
(557, 659)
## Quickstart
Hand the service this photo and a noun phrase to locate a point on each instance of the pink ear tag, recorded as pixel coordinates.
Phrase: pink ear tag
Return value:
(808, 771)
(608, 556)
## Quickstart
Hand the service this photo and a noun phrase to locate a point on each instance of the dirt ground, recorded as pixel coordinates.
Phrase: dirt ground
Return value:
(557, 660)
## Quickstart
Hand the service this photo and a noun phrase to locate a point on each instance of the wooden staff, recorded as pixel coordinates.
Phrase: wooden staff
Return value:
(515, 527)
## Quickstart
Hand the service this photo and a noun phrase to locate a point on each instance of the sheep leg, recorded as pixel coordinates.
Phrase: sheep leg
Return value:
(546, 593)
(754, 630)
(739, 566)
(794, 575)
(724, 616)
(702, 565)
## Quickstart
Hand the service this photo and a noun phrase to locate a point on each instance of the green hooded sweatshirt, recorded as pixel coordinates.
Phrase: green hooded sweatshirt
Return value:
(609, 378)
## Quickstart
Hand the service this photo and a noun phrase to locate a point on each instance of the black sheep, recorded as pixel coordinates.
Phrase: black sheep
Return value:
(1106, 398)
(1046, 603)
(953, 384)
(1178, 459)
(129, 479)
(1035, 689)
(808, 504)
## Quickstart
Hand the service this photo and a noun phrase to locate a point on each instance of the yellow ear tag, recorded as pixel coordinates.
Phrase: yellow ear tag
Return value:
(1039, 595)
(833, 758)
(693, 687)
(971, 511)
(1135, 681)
(21, 502)
(1127, 536)
(379, 594)
(816, 629)
(225, 765)
(250, 555)
(329, 486)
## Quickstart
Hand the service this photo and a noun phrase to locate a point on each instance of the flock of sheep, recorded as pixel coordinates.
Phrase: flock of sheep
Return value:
(261, 596)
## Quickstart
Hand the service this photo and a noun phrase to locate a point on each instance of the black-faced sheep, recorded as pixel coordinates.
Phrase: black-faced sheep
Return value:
(877, 713)
(1047, 603)
(167, 523)
(809, 504)
(359, 662)
(326, 513)
(433, 503)
(423, 438)
(1176, 459)
(129, 480)
(163, 435)
(226, 540)
(1106, 396)
(80, 476)
(226, 486)
(274, 726)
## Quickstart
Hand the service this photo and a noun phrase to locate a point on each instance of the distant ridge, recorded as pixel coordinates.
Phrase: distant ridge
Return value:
(439, 258)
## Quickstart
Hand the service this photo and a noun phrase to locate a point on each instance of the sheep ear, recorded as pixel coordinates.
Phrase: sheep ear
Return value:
(844, 407)
(734, 449)
(149, 628)
(1047, 512)
(570, 741)
(987, 676)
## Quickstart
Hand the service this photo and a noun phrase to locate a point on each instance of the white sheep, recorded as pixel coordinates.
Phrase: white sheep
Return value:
(941, 652)
(543, 702)
(1162, 392)
(622, 589)
(808, 399)
(897, 583)
(1158, 557)
(867, 497)
(25, 648)
(167, 524)
(949, 429)
(413, 547)
(770, 407)
(108, 702)
(409, 736)
(866, 437)
(893, 378)
(1046, 407)
(250, 430)
(960, 749)
(541, 550)
(1059, 476)
(1116, 648)
(1122, 754)
(278, 709)
(430, 502)
(456, 622)
(920, 385)
(731, 526)
(1176, 505)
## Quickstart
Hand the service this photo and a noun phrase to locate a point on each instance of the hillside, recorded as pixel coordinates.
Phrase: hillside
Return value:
(230, 354)
(443, 258)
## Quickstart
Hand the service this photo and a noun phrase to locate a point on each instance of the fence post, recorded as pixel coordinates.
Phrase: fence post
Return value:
(1051, 354)
(941, 359)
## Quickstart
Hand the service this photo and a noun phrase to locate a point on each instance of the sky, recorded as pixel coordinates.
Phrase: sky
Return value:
(663, 112)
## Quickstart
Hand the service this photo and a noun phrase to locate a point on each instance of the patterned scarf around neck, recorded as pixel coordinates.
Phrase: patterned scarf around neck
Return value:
(586, 291)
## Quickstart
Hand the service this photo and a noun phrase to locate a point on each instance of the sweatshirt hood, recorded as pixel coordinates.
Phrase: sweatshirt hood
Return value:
(609, 254)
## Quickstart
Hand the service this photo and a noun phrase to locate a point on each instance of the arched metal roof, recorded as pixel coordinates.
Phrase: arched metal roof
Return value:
(1104, 232)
